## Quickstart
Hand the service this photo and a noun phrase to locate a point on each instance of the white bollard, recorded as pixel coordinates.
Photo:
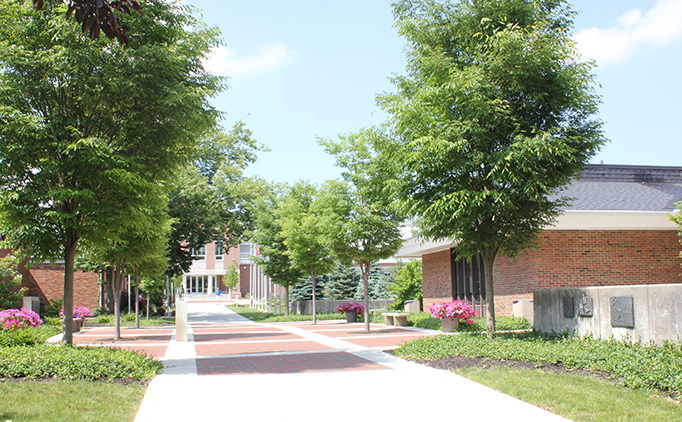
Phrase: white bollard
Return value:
(180, 320)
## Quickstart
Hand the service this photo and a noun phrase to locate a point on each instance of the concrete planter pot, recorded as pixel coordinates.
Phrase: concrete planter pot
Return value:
(449, 324)
(77, 324)
(351, 316)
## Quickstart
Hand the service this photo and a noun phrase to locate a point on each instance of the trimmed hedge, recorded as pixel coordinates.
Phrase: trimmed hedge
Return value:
(647, 367)
(84, 363)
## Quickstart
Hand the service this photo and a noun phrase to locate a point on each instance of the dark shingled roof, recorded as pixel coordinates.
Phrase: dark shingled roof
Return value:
(625, 188)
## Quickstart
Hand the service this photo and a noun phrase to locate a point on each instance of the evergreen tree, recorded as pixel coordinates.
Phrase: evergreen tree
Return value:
(377, 285)
(343, 283)
(303, 290)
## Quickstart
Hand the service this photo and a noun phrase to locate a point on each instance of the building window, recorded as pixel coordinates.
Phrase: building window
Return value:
(197, 284)
(218, 252)
(199, 253)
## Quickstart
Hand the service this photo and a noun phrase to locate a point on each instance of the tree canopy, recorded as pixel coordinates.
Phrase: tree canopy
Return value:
(493, 117)
(360, 228)
(84, 123)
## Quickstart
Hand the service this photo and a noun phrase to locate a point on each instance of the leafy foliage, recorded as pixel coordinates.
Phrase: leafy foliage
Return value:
(677, 218)
(407, 283)
(97, 16)
(647, 367)
(84, 363)
(28, 336)
(10, 293)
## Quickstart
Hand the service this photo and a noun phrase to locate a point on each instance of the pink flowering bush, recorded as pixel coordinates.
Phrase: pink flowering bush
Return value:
(351, 307)
(78, 312)
(14, 319)
(455, 309)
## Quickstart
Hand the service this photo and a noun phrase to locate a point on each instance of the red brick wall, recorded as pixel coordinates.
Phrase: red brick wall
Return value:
(437, 276)
(570, 258)
(47, 282)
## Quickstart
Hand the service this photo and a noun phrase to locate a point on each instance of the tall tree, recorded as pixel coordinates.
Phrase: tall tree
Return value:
(267, 234)
(407, 283)
(493, 117)
(211, 199)
(80, 120)
(304, 234)
(360, 228)
(343, 283)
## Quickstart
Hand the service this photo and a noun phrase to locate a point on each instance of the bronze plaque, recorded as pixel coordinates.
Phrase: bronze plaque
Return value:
(585, 308)
(569, 307)
(622, 312)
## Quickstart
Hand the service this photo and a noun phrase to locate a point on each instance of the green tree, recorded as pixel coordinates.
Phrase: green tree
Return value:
(231, 276)
(493, 117)
(11, 293)
(407, 283)
(211, 200)
(359, 226)
(267, 234)
(342, 284)
(304, 234)
(83, 121)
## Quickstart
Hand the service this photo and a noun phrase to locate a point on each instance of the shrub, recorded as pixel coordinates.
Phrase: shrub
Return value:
(52, 310)
(85, 363)
(10, 280)
(13, 319)
(103, 319)
(128, 317)
(28, 336)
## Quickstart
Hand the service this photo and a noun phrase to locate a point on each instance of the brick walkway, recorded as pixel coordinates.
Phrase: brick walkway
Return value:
(232, 368)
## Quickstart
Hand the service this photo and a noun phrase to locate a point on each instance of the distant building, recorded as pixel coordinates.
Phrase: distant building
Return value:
(616, 232)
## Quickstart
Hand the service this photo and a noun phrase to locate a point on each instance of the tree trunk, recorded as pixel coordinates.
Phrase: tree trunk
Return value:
(137, 297)
(286, 299)
(489, 254)
(148, 297)
(69, 264)
(364, 268)
(312, 276)
(117, 286)
(109, 303)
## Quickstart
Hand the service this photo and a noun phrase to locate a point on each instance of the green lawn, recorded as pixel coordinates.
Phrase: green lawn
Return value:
(60, 401)
(577, 397)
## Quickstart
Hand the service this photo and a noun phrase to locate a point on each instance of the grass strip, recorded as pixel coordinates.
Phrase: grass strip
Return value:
(57, 401)
(647, 367)
(577, 397)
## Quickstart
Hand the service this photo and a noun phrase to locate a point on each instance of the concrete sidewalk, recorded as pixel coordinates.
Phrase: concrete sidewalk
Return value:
(233, 368)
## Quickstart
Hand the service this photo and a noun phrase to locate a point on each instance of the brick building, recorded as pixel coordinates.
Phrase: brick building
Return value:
(46, 281)
(616, 232)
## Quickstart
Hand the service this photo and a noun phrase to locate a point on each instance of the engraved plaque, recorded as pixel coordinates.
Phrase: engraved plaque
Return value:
(585, 308)
(622, 312)
(569, 308)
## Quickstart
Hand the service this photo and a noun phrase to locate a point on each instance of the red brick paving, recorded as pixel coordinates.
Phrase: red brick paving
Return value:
(259, 336)
(222, 349)
(382, 341)
(286, 364)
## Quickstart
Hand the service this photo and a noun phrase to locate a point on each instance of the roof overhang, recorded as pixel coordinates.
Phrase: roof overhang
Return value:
(416, 246)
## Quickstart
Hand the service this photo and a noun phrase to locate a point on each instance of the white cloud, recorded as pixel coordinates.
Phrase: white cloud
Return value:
(225, 62)
(661, 25)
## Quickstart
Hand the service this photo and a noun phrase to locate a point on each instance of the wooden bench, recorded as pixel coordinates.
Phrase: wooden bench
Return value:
(396, 318)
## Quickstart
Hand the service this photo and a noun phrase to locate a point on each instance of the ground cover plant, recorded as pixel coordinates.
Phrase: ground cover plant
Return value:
(76, 363)
(637, 366)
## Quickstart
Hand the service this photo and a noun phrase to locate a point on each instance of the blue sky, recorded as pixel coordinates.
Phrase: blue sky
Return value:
(303, 69)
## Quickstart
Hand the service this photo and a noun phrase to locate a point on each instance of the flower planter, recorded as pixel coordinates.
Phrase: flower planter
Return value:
(77, 322)
(351, 316)
(449, 324)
